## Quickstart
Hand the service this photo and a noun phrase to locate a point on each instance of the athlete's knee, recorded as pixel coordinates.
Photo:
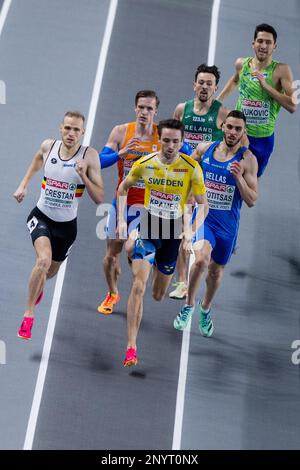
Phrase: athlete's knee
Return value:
(51, 274)
(201, 262)
(159, 288)
(129, 246)
(110, 261)
(43, 263)
(158, 295)
(215, 273)
(138, 287)
(53, 270)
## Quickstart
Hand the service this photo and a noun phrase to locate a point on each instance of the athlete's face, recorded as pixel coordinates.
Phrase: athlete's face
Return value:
(234, 129)
(71, 131)
(263, 46)
(171, 141)
(145, 111)
(205, 86)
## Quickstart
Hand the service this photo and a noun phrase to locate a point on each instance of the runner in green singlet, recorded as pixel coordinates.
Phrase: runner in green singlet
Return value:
(202, 117)
(265, 86)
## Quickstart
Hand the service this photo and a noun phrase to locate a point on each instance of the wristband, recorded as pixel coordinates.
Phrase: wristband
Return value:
(186, 148)
(108, 157)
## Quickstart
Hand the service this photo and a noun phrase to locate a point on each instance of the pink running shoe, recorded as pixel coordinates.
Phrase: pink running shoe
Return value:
(131, 358)
(39, 298)
(25, 328)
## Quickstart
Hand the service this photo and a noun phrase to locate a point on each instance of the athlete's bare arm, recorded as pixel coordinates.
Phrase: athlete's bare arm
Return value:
(233, 81)
(203, 205)
(200, 150)
(34, 167)
(284, 77)
(204, 208)
(245, 174)
(123, 189)
(89, 171)
(222, 114)
(178, 113)
(116, 139)
(188, 229)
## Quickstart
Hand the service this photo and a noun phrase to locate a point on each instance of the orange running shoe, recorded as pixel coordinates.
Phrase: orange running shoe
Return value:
(108, 303)
(25, 328)
(130, 358)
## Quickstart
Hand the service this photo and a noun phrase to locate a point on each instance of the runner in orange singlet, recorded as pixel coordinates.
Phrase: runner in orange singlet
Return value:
(131, 141)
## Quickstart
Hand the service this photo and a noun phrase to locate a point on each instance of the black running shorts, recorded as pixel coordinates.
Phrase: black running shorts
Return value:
(61, 234)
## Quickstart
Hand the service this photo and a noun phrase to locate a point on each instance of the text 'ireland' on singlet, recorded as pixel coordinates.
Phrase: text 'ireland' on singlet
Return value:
(201, 128)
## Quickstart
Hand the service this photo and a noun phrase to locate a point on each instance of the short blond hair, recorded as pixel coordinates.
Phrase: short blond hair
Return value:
(75, 114)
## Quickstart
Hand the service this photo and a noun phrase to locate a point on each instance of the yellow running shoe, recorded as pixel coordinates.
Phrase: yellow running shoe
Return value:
(108, 303)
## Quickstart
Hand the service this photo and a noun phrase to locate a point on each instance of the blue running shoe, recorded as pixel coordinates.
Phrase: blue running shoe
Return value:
(183, 317)
(206, 325)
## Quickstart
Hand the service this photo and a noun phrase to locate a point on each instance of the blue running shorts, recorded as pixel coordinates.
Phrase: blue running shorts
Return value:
(222, 246)
(262, 148)
(160, 253)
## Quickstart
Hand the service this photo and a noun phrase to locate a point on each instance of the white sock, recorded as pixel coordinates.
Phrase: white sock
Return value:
(205, 311)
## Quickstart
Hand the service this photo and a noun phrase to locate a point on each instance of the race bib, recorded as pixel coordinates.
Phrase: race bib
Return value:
(194, 139)
(164, 205)
(60, 194)
(256, 112)
(32, 223)
(220, 196)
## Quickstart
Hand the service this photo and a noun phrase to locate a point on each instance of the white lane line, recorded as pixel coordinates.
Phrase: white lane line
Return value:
(3, 14)
(213, 32)
(100, 70)
(37, 398)
(184, 357)
(31, 427)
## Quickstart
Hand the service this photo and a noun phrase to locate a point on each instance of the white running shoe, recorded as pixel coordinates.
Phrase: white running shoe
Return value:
(180, 292)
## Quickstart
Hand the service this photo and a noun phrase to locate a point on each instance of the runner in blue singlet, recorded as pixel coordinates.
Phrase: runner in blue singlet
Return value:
(230, 175)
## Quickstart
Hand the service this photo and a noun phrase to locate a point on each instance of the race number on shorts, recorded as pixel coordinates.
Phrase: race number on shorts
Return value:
(32, 223)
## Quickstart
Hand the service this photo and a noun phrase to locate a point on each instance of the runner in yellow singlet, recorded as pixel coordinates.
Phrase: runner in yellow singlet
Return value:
(169, 177)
